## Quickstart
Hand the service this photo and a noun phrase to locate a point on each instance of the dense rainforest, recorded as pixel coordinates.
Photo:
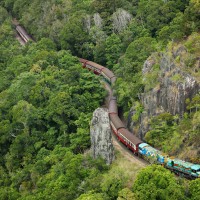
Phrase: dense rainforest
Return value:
(47, 100)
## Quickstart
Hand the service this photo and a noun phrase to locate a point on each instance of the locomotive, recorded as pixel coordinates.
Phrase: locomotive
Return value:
(137, 146)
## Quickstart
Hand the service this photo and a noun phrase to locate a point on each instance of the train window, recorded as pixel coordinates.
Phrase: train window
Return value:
(195, 171)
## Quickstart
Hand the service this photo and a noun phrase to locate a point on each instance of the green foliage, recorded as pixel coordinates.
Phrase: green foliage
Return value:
(3, 16)
(193, 104)
(194, 186)
(126, 194)
(113, 50)
(192, 44)
(138, 110)
(111, 185)
(192, 15)
(176, 78)
(91, 196)
(162, 127)
(72, 36)
(176, 30)
(155, 182)
(130, 83)
(155, 14)
(136, 53)
(45, 111)
(135, 30)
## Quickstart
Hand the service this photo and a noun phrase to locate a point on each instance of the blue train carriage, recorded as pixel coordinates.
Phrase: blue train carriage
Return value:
(187, 169)
(151, 154)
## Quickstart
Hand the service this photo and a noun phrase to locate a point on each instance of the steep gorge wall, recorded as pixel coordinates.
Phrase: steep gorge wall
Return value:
(168, 85)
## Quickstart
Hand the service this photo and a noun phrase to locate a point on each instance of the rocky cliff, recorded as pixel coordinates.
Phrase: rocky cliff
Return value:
(100, 134)
(169, 79)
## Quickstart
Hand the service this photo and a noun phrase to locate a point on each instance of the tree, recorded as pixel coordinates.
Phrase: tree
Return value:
(192, 15)
(154, 15)
(136, 53)
(194, 193)
(126, 194)
(92, 196)
(73, 35)
(121, 19)
(24, 113)
(156, 182)
(112, 184)
(134, 31)
(176, 30)
(113, 50)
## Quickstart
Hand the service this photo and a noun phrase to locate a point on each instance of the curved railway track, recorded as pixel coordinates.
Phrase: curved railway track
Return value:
(137, 146)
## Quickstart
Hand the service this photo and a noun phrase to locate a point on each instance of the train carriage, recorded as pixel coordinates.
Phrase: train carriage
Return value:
(152, 154)
(129, 139)
(21, 31)
(99, 69)
(115, 123)
(112, 109)
(96, 68)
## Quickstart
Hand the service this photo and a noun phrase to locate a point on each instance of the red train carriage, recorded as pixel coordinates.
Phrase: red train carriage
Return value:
(96, 68)
(130, 140)
(112, 109)
(99, 69)
(115, 123)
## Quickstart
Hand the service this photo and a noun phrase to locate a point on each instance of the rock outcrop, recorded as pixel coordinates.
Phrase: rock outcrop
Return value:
(168, 84)
(101, 138)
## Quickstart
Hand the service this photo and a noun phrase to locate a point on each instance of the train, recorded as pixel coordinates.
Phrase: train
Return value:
(23, 34)
(136, 145)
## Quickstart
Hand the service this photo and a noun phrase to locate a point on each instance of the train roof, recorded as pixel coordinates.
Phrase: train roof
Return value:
(82, 60)
(116, 121)
(100, 67)
(151, 149)
(196, 167)
(130, 136)
(113, 106)
(113, 79)
(105, 70)
(184, 163)
(142, 145)
(108, 73)
(23, 31)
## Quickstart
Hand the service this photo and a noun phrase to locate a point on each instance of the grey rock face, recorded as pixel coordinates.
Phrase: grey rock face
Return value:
(174, 86)
(101, 138)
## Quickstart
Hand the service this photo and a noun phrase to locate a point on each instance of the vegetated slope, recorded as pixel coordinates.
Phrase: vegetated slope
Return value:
(47, 101)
